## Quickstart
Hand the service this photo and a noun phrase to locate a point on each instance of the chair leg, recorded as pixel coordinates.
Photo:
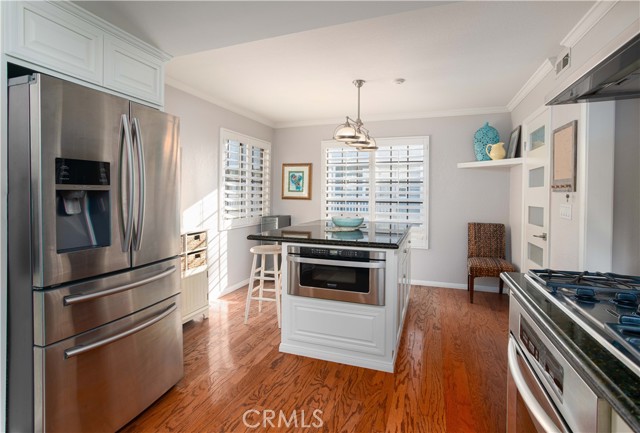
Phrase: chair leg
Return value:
(471, 278)
(501, 285)
(468, 282)
(250, 288)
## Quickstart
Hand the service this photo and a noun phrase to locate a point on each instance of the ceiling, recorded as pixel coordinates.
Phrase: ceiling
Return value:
(293, 63)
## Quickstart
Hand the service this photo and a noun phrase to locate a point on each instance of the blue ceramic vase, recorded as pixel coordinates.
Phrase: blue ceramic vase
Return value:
(483, 136)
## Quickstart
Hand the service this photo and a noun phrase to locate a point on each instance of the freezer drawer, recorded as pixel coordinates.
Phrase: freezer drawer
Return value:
(69, 310)
(100, 380)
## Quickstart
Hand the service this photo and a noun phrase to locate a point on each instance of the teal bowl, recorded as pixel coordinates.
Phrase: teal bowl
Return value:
(347, 222)
(348, 236)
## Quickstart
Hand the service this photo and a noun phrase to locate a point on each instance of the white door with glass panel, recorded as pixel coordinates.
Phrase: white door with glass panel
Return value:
(536, 142)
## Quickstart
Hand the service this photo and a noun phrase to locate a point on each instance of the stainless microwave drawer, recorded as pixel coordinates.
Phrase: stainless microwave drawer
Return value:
(69, 310)
(100, 380)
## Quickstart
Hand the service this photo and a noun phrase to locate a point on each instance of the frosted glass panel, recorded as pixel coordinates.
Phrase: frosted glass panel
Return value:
(535, 254)
(536, 177)
(536, 138)
(536, 216)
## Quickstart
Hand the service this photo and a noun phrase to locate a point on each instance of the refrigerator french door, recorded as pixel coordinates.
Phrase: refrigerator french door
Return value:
(94, 333)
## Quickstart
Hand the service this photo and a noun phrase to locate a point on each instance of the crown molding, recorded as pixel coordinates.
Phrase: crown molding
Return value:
(586, 23)
(85, 15)
(173, 82)
(401, 116)
(532, 82)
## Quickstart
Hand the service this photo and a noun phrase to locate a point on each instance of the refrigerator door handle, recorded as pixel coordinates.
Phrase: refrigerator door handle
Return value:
(143, 185)
(126, 142)
(76, 299)
(84, 348)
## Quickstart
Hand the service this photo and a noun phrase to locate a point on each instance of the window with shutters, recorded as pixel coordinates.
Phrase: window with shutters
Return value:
(388, 185)
(244, 185)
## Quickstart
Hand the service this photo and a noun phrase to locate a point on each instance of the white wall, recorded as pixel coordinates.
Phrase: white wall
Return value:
(458, 196)
(229, 260)
(565, 235)
(626, 197)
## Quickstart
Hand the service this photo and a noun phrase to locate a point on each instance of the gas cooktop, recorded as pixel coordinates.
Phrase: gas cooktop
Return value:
(606, 305)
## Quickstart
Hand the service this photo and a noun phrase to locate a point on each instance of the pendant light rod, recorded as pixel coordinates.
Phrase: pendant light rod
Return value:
(353, 132)
(358, 84)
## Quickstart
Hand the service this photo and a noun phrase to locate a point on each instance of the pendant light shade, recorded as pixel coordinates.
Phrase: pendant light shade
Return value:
(345, 132)
(353, 132)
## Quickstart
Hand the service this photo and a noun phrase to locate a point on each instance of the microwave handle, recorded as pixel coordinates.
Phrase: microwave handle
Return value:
(345, 263)
(534, 407)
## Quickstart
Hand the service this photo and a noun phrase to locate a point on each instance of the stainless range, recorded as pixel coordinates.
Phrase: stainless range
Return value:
(573, 353)
(605, 304)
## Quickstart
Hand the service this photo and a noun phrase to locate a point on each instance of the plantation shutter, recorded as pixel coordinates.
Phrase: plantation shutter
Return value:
(390, 185)
(399, 183)
(347, 182)
(245, 181)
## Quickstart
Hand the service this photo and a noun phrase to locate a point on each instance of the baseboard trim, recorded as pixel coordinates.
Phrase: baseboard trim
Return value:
(231, 288)
(325, 355)
(477, 288)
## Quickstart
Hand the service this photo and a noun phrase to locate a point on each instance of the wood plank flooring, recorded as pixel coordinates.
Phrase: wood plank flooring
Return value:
(451, 375)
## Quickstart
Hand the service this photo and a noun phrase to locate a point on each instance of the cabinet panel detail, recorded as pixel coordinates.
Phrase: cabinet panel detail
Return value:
(46, 35)
(132, 71)
(352, 328)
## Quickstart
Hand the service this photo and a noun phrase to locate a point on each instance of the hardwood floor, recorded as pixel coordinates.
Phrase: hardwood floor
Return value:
(451, 375)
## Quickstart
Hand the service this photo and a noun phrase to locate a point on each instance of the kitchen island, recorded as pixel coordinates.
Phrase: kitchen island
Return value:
(345, 293)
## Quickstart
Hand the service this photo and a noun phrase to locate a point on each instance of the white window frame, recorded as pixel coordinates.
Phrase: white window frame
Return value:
(250, 142)
(419, 235)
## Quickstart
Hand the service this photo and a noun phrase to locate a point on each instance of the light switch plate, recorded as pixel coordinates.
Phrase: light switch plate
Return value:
(565, 211)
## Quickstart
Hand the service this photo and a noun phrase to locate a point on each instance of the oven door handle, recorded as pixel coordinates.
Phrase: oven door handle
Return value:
(343, 263)
(530, 400)
(84, 348)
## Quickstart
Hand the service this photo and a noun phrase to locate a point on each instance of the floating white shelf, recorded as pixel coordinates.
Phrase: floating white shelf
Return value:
(499, 163)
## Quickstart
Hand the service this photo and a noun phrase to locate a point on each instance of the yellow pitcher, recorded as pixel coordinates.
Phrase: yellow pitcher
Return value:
(495, 151)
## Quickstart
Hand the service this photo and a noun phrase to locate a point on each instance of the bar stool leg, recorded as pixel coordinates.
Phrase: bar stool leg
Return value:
(263, 264)
(277, 286)
(250, 288)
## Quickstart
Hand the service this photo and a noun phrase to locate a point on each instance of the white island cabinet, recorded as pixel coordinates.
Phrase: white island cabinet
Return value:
(352, 333)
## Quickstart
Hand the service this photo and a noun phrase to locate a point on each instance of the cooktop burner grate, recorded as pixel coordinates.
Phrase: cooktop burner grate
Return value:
(581, 280)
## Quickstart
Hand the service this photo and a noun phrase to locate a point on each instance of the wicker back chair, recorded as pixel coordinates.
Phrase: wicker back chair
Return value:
(486, 253)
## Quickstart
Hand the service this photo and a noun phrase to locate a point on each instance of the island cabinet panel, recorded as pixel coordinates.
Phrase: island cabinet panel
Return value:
(342, 325)
(403, 276)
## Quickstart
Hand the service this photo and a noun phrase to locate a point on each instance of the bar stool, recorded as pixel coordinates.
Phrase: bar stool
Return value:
(273, 275)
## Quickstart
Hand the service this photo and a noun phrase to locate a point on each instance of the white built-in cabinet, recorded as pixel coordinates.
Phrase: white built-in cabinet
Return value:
(194, 293)
(64, 40)
(354, 334)
(403, 274)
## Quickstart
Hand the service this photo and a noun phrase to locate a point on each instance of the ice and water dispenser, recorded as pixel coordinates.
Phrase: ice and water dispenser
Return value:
(83, 195)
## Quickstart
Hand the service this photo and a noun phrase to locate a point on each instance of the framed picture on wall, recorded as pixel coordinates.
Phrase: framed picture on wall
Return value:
(296, 181)
(514, 142)
(565, 158)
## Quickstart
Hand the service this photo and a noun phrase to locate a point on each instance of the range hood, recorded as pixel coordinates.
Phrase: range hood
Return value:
(615, 77)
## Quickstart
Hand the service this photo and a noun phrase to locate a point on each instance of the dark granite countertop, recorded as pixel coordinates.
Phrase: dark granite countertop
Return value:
(370, 235)
(602, 371)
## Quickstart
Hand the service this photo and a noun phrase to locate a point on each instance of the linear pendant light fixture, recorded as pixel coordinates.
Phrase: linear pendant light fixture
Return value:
(353, 132)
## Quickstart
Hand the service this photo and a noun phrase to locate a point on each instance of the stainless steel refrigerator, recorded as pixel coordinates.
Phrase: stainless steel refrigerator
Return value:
(94, 332)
